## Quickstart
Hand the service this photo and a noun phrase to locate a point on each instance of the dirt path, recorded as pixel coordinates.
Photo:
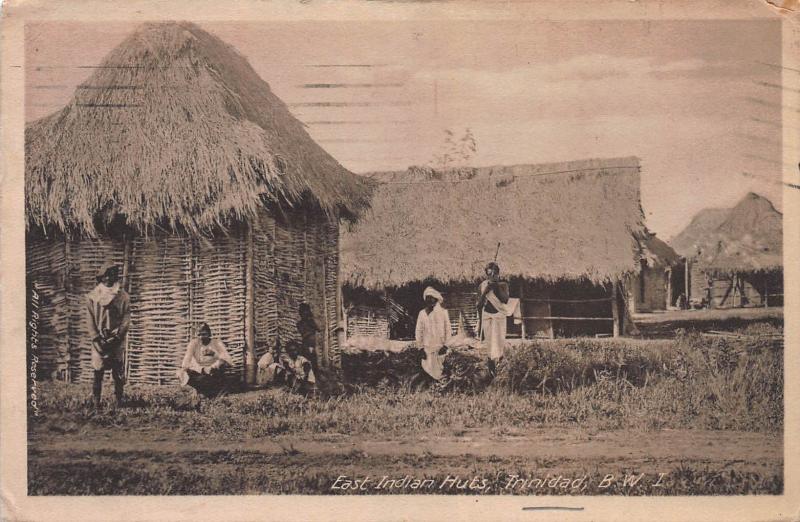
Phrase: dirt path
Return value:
(714, 446)
(114, 461)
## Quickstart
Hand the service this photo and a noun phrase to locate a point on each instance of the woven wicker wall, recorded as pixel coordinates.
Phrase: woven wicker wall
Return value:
(315, 276)
(296, 261)
(47, 270)
(332, 352)
(290, 273)
(460, 304)
(218, 290)
(368, 321)
(160, 308)
(265, 283)
(176, 284)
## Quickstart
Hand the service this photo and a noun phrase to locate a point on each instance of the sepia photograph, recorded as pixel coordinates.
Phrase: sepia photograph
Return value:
(473, 256)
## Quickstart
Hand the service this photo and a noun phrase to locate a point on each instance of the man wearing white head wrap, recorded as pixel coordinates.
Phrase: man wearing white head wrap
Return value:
(433, 331)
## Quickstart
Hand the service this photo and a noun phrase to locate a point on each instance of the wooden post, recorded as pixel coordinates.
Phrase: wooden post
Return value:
(67, 290)
(615, 309)
(249, 311)
(344, 321)
(686, 275)
(766, 292)
(326, 355)
(341, 313)
(522, 306)
(126, 256)
(668, 273)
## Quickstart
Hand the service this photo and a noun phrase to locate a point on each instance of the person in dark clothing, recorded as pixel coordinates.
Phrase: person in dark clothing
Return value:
(307, 328)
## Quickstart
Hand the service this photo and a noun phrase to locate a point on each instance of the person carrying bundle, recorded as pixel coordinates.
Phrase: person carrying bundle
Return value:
(203, 365)
(432, 333)
(493, 297)
(108, 316)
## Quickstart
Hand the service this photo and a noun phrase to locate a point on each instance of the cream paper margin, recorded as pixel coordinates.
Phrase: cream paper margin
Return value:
(17, 506)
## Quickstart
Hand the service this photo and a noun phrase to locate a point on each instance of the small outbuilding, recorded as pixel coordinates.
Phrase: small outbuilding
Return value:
(176, 161)
(658, 284)
(739, 261)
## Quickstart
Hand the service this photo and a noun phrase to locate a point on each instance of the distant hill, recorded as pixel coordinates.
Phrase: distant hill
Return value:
(694, 235)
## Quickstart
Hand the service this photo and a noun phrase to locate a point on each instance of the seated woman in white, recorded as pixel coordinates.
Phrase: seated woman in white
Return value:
(203, 365)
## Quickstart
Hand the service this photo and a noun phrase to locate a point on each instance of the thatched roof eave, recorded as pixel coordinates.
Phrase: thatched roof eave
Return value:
(554, 223)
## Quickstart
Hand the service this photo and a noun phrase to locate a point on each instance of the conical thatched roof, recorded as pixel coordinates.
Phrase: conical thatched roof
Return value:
(749, 239)
(573, 220)
(176, 129)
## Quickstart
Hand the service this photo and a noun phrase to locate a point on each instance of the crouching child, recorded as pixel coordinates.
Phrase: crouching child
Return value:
(271, 368)
(299, 371)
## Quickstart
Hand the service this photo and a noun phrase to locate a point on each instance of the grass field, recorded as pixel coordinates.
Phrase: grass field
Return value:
(665, 324)
(693, 415)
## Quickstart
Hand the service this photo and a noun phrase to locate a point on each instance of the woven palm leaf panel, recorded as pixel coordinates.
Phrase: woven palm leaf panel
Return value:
(160, 308)
(296, 261)
(218, 290)
(265, 283)
(84, 259)
(46, 267)
(460, 301)
(331, 240)
(363, 320)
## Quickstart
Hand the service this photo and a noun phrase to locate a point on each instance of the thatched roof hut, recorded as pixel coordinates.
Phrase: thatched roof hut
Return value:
(177, 161)
(746, 238)
(742, 256)
(750, 239)
(578, 223)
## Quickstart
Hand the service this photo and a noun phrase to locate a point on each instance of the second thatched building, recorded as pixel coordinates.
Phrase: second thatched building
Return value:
(571, 235)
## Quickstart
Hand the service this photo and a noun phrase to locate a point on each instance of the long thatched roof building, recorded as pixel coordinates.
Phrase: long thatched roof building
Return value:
(567, 231)
(176, 160)
(574, 220)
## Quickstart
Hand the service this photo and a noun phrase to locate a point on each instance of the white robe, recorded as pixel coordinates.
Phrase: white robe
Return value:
(494, 326)
(433, 332)
(200, 357)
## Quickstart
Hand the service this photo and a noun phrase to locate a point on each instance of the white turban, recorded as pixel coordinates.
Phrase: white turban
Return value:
(431, 291)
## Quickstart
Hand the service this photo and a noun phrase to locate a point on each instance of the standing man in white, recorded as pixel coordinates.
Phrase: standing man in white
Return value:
(433, 332)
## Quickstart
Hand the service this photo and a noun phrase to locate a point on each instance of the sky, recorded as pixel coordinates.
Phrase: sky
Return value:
(697, 101)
